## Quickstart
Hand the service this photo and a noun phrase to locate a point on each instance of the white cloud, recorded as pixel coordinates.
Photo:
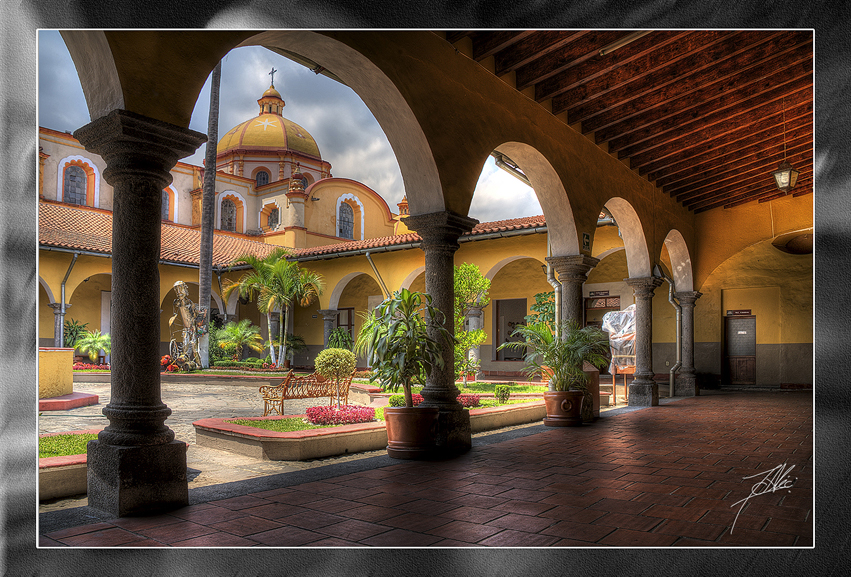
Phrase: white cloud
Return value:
(500, 196)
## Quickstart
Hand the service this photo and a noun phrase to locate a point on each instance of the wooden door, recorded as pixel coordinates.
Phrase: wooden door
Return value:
(740, 350)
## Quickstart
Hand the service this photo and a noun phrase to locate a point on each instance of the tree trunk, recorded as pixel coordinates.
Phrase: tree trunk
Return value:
(205, 269)
(271, 336)
(282, 331)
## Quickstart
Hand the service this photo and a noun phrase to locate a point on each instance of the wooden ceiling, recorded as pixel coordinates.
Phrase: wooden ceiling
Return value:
(699, 113)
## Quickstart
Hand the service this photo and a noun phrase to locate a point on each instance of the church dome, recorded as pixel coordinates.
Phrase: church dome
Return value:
(269, 131)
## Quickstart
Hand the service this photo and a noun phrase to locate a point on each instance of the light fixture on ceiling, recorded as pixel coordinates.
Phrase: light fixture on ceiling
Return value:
(609, 48)
(785, 176)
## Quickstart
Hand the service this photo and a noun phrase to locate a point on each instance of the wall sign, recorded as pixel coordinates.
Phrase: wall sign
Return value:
(599, 293)
(739, 313)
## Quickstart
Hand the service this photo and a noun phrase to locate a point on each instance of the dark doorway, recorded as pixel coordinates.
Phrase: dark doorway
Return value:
(510, 313)
(740, 350)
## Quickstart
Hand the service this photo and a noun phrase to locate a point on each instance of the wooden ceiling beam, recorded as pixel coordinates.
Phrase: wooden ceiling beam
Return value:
(718, 134)
(575, 52)
(690, 97)
(736, 108)
(743, 139)
(805, 184)
(599, 65)
(748, 188)
(742, 162)
(605, 93)
(533, 47)
(489, 43)
(454, 36)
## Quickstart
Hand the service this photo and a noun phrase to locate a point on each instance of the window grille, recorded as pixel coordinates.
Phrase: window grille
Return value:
(262, 178)
(274, 219)
(75, 186)
(346, 222)
(228, 215)
(165, 205)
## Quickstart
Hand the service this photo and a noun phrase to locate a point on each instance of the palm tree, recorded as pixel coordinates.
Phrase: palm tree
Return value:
(92, 342)
(278, 284)
(240, 335)
(205, 268)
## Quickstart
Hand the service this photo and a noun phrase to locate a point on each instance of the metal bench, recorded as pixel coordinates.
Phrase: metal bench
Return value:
(305, 387)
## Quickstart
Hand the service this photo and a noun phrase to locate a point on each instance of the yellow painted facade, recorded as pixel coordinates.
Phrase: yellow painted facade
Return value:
(55, 373)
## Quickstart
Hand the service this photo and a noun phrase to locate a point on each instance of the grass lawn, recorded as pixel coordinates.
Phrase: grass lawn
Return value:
(64, 445)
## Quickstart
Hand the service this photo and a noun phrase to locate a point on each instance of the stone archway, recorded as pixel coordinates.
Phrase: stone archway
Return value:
(681, 267)
(634, 241)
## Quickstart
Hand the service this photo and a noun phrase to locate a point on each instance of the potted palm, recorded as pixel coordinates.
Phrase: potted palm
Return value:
(395, 339)
(563, 358)
(92, 342)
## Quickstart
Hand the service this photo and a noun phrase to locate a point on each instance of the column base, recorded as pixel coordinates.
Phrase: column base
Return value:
(137, 480)
(686, 386)
(454, 435)
(643, 394)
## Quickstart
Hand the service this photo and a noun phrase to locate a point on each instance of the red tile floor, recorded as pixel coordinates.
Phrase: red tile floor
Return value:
(662, 476)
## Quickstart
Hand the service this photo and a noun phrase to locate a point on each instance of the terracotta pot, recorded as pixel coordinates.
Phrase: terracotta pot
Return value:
(564, 408)
(287, 364)
(410, 431)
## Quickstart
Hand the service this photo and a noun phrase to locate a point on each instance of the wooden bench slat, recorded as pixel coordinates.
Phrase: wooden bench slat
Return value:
(305, 387)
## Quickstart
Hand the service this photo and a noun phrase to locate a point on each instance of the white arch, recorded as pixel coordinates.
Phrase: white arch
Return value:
(382, 97)
(95, 66)
(350, 196)
(60, 176)
(637, 254)
(220, 196)
(46, 287)
(266, 202)
(409, 280)
(680, 261)
(501, 264)
(551, 194)
(176, 203)
(606, 253)
(334, 299)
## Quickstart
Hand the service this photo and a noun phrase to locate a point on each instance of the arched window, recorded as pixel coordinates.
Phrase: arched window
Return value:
(228, 215)
(262, 178)
(75, 185)
(274, 219)
(346, 222)
(165, 205)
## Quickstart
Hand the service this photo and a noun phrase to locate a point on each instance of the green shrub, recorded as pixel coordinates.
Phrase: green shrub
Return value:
(335, 363)
(340, 338)
(397, 401)
(502, 392)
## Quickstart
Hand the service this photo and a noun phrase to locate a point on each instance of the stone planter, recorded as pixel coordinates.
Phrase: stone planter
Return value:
(411, 431)
(564, 408)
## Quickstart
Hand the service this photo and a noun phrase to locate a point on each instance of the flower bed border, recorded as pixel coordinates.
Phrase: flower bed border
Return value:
(342, 440)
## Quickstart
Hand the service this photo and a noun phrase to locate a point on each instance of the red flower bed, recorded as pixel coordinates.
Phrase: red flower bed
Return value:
(468, 400)
(88, 366)
(347, 415)
(166, 360)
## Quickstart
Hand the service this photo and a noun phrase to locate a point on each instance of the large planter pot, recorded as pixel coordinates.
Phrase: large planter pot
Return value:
(410, 431)
(564, 408)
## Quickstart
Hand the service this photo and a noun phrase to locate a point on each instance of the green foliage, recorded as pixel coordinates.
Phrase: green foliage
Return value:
(395, 336)
(464, 363)
(502, 393)
(218, 353)
(92, 342)
(72, 332)
(279, 425)
(565, 356)
(471, 290)
(64, 445)
(543, 311)
(396, 401)
(340, 338)
(335, 363)
(239, 335)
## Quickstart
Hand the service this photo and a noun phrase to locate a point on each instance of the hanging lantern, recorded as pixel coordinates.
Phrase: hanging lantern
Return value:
(785, 176)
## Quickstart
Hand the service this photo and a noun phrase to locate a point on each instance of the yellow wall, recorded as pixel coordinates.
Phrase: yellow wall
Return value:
(55, 372)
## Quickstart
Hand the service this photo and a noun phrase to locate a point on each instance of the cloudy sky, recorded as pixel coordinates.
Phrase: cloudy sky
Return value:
(345, 130)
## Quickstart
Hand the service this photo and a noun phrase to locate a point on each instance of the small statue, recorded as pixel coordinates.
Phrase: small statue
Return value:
(193, 320)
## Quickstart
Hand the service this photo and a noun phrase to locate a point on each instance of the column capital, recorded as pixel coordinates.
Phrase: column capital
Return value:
(440, 229)
(688, 297)
(329, 314)
(57, 308)
(644, 286)
(135, 146)
(573, 268)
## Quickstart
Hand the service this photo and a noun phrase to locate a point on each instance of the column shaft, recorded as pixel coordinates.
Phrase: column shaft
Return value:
(136, 466)
(644, 391)
(329, 317)
(439, 233)
(686, 381)
(572, 274)
(58, 324)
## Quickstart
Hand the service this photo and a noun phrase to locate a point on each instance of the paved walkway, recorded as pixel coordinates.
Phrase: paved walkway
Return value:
(662, 476)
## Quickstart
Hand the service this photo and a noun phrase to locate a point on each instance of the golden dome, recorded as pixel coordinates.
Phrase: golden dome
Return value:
(269, 131)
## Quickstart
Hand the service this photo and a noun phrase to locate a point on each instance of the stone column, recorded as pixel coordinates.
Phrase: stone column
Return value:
(685, 384)
(329, 317)
(572, 274)
(136, 466)
(58, 323)
(439, 232)
(643, 391)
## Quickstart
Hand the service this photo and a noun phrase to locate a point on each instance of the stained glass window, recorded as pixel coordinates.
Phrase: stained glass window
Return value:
(75, 185)
(346, 222)
(228, 215)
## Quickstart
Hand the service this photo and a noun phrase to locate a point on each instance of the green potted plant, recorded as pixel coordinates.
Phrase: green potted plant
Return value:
(340, 338)
(397, 345)
(336, 364)
(564, 358)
